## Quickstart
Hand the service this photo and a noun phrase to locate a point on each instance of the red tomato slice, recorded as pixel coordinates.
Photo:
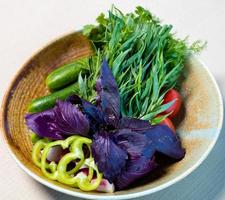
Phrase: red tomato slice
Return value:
(170, 96)
(169, 123)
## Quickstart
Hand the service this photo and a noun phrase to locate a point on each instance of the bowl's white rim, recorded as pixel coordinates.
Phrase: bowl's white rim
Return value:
(149, 191)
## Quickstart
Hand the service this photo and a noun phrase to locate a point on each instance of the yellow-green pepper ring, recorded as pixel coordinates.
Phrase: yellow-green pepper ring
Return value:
(36, 151)
(53, 173)
(76, 149)
(87, 184)
(59, 172)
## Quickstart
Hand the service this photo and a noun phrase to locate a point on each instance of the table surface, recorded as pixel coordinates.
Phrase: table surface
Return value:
(29, 24)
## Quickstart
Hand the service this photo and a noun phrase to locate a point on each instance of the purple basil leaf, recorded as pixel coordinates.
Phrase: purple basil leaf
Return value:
(108, 95)
(141, 146)
(64, 119)
(140, 153)
(165, 141)
(92, 111)
(137, 125)
(70, 120)
(95, 116)
(89, 109)
(132, 142)
(109, 157)
(43, 124)
(74, 99)
(135, 169)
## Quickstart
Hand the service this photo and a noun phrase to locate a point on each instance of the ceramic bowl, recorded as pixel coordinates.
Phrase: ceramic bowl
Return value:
(198, 125)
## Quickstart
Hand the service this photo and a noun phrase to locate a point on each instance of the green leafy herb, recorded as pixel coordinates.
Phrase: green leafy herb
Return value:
(145, 57)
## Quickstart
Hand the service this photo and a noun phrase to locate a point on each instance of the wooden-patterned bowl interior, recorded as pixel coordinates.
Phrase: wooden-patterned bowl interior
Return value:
(197, 125)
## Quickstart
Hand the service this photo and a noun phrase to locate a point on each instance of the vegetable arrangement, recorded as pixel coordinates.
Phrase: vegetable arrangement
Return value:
(123, 148)
(102, 131)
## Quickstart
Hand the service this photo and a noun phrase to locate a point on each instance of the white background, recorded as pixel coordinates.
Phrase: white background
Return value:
(27, 25)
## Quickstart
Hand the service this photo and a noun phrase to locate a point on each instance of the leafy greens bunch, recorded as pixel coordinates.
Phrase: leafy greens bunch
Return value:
(144, 56)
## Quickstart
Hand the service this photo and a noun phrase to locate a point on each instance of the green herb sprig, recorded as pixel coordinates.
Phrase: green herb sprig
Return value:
(145, 57)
